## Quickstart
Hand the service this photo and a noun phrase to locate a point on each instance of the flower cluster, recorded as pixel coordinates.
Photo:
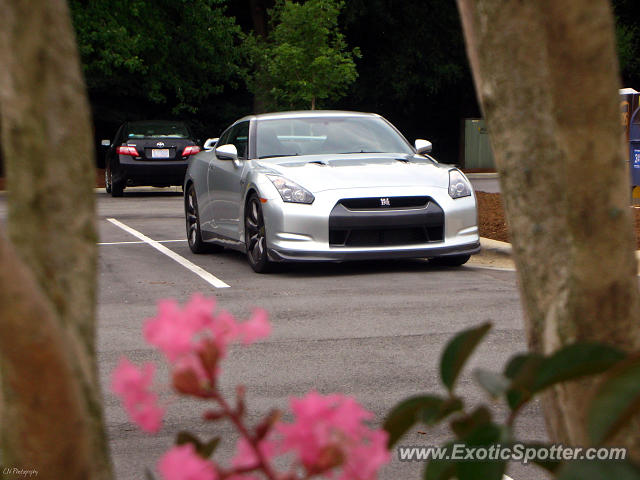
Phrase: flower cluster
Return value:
(133, 384)
(328, 435)
(329, 431)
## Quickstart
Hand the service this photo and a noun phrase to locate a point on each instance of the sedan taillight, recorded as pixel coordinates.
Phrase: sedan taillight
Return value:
(190, 150)
(127, 150)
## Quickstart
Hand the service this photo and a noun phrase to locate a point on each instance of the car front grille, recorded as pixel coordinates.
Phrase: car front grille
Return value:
(375, 203)
(386, 221)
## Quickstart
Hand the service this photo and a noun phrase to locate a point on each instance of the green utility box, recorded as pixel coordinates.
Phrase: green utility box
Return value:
(477, 150)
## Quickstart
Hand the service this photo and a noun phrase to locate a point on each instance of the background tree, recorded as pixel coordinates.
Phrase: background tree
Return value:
(546, 74)
(156, 59)
(51, 414)
(305, 59)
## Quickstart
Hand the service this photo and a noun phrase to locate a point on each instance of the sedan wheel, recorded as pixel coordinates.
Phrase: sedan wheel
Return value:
(116, 187)
(107, 177)
(192, 217)
(255, 237)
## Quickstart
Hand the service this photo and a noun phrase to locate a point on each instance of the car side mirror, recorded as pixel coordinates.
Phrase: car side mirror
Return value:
(210, 143)
(423, 146)
(227, 152)
(105, 143)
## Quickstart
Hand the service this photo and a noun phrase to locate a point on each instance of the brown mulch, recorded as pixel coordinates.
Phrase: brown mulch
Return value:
(492, 222)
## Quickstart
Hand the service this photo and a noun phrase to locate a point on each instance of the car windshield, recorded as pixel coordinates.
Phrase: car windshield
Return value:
(157, 130)
(327, 135)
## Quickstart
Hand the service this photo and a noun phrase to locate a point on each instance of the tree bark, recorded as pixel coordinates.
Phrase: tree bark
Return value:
(546, 75)
(48, 153)
(43, 422)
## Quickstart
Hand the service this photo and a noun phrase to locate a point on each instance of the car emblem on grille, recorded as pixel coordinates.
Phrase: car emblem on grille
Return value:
(384, 202)
(160, 144)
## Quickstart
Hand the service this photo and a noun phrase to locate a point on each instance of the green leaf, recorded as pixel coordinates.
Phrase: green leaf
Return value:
(494, 383)
(458, 351)
(187, 437)
(449, 406)
(575, 361)
(465, 425)
(599, 470)
(522, 370)
(486, 435)
(408, 412)
(440, 469)
(208, 448)
(617, 398)
(205, 450)
(521, 364)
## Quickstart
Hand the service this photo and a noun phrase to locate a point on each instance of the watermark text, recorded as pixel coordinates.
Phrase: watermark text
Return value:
(517, 452)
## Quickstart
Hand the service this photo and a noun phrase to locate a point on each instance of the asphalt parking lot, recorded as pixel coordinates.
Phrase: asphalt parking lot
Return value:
(373, 330)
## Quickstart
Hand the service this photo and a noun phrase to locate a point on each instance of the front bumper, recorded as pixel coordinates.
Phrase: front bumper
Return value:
(340, 256)
(297, 232)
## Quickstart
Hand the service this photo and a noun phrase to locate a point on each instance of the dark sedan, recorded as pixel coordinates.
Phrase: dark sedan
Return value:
(154, 153)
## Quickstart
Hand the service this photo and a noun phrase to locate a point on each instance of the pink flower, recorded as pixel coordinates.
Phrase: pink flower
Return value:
(245, 456)
(133, 385)
(256, 327)
(178, 332)
(183, 463)
(194, 339)
(329, 431)
(173, 330)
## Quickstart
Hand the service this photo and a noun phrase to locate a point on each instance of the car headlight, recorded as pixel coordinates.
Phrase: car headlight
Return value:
(458, 185)
(291, 191)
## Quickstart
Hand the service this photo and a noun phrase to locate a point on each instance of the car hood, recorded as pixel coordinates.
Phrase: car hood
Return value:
(318, 173)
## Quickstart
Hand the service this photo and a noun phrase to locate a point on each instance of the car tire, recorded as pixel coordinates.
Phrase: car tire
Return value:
(255, 236)
(450, 260)
(117, 187)
(192, 219)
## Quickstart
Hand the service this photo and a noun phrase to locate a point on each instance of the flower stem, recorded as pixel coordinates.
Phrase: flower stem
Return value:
(264, 464)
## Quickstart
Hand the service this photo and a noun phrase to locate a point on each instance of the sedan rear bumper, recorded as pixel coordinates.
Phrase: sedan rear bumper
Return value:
(141, 172)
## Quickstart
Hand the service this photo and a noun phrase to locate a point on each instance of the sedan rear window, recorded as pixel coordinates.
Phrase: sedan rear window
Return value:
(157, 130)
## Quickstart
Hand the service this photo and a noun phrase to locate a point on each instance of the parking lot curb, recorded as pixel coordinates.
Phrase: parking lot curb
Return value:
(495, 246)
(472, 175)
(143, 189)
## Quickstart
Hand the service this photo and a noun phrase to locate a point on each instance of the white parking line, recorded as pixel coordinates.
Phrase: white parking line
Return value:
(206, 276)
(139, 242)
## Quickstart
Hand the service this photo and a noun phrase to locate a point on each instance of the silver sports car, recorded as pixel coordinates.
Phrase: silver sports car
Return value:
(326, 185)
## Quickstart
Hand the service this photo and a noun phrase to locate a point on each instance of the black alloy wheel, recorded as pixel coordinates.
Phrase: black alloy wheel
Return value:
(107, 177)
(255, 237)
(450, 260)
(192, 218)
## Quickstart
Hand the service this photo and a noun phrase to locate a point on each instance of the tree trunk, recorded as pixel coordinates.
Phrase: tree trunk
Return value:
(48, 153)
(546, 75)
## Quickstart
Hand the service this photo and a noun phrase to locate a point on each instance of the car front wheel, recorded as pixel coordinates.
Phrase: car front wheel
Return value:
(255, 236)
